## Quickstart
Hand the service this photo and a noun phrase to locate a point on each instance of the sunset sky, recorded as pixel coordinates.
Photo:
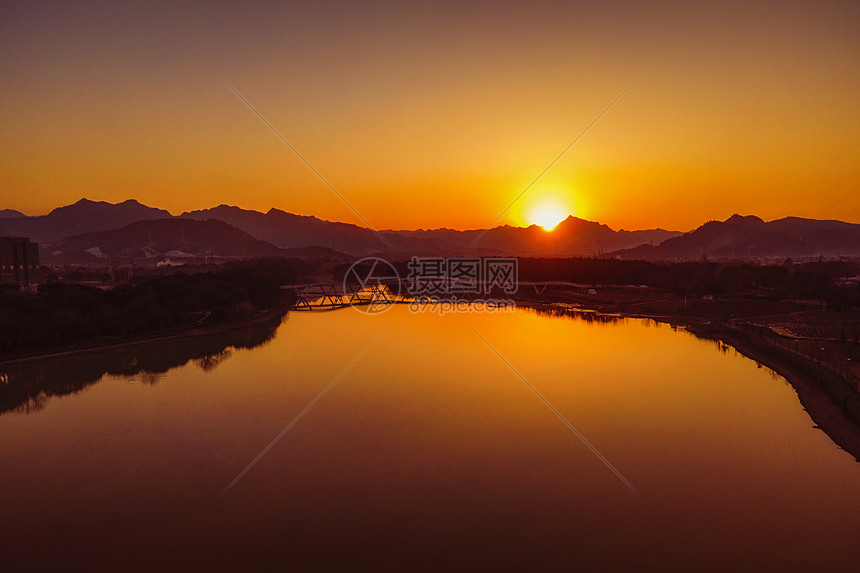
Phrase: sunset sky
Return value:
(437, 113)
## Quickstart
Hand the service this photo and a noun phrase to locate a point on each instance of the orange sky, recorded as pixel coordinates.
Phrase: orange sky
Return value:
(437, 114)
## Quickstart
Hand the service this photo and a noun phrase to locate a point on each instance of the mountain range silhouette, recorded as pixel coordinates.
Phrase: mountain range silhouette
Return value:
(90, 230)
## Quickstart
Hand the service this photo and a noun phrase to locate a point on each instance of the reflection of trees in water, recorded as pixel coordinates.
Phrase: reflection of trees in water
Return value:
(208, 363)
(27, 387)
(150, 378)
(597, 318)
(728, 349)
(589, 316)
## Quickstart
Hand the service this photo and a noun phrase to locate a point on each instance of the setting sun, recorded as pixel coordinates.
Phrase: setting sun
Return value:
(548, 215)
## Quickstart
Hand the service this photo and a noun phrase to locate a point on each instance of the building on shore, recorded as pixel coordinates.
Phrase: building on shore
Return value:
(19, 261)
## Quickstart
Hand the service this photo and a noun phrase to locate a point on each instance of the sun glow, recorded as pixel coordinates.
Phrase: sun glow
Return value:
(548, 215)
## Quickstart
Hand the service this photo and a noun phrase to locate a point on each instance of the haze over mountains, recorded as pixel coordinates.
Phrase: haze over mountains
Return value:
(152, 239)
(89, 231)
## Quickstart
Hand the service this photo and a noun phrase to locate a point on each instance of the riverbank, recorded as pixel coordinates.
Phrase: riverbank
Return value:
(831, 401)
(101, 345)
(828, 399)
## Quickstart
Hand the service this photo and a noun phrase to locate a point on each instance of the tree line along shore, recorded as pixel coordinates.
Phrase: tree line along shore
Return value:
(59, 314)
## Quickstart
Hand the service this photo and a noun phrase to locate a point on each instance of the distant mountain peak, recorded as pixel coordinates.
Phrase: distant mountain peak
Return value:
(82, 216)
(745, 220)
(281, 212)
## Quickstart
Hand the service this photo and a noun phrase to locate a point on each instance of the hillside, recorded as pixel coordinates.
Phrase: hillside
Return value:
(292, 231)
(163, 238)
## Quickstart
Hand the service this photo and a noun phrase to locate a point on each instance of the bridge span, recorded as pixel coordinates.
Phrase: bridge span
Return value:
(333, 295)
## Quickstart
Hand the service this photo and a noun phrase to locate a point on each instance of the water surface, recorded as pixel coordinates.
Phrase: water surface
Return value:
(429, 451)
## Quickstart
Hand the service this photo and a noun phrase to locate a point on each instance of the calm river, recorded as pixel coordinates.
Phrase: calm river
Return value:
(428, 452)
